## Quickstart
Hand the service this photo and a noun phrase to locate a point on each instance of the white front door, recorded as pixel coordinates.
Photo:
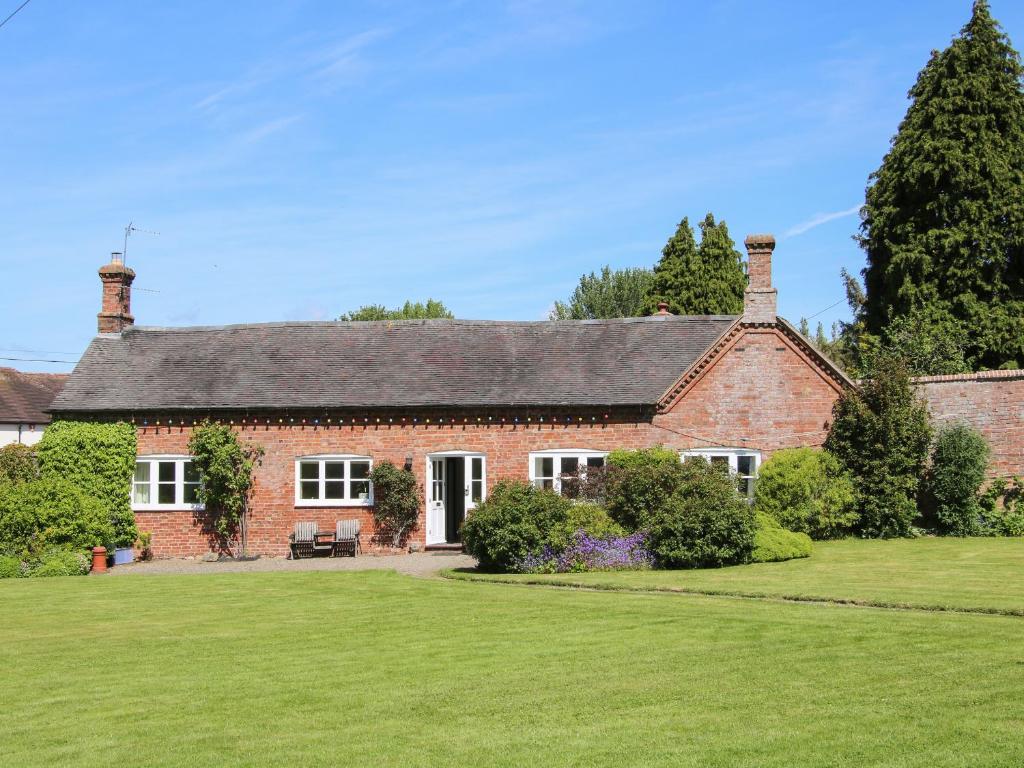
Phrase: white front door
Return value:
(440, 487)
(437, 493)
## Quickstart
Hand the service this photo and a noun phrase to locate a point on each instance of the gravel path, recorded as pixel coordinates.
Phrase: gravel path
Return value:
(425, 564)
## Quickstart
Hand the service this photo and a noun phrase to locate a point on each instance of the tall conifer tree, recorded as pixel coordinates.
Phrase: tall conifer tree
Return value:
(943, 221)
(704, 280)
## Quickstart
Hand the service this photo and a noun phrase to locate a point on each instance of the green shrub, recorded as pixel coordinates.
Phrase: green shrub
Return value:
(48, 514)
(704, 523)
(881, 433)
(99, 460)
(18, 463)
(396, 501)
(638, 482)
(953, 483)
(516, 520)
(773, 543)
(592, 519)
(61, 563)
(806, 490)
(1002, 508)
(10, 567)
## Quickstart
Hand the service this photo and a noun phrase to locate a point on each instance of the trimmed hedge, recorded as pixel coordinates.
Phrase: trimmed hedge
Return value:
(806, 490)
(61, 563)
(704, 523)
(50, 513)
(10, 567)
(514, 521)
(773, 543)
(99, 460)
(953, 482)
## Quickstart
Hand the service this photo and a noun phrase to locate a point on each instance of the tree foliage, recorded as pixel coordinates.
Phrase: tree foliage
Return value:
(98, 458)
(943, 221)
(51, 513)
(225, 467)
(613, 293)
(396, 501)
(953, 483)
(699, 280)
(432, 310)
(881, 434)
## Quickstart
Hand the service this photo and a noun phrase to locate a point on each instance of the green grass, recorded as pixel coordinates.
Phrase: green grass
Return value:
(378, 669)
(981, 575)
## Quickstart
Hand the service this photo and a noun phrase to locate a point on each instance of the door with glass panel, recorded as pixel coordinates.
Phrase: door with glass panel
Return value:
(436, 497)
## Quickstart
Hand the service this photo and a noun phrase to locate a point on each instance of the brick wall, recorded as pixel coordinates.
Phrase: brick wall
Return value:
(992, 402)
(762, 392)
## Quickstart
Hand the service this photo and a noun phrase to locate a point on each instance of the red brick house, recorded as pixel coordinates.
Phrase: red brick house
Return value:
(462, 403)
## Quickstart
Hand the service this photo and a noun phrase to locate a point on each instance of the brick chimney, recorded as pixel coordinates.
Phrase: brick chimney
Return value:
(116, 311)
(759, 299)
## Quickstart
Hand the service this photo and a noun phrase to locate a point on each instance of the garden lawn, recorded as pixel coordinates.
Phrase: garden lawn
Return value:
(935, 573)
(377, 669)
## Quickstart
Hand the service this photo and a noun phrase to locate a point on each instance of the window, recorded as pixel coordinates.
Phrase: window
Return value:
(333, 481)
(741, 464)
(476, 479)
(165, 482)
(548, 467)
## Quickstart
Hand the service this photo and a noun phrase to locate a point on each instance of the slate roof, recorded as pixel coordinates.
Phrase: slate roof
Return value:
(25, 397)
(387, 364)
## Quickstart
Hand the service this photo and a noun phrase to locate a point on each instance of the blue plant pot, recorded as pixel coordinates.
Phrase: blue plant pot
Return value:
(124, 556)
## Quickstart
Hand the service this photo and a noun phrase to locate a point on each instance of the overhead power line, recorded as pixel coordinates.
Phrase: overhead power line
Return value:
(826, 309)
(38, 360)
(15, 12)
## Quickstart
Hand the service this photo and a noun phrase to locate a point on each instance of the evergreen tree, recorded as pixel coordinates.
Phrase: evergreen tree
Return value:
(943, 221)
(708, 280)
(619, 293)
(432, 310)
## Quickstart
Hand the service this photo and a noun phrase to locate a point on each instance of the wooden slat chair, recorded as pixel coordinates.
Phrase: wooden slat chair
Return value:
(346, 537)
(303, 540)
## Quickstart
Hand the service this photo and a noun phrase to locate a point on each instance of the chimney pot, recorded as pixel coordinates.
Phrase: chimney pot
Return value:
(116, 257)
(760, 299)
(663, 308)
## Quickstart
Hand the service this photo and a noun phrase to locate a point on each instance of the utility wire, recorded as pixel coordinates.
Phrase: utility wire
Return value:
(38, 360)
(15, 12)
(826, 309)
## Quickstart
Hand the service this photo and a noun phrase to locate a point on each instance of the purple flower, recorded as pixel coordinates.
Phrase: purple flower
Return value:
(588, 553)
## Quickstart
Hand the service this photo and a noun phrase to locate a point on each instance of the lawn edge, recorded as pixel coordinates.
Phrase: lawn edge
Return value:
(568, 583)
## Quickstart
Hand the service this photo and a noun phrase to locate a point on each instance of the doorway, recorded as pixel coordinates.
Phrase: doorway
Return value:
(456, 483)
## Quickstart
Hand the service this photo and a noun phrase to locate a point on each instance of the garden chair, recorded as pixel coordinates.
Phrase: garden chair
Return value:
(303, 539)
(346, 537)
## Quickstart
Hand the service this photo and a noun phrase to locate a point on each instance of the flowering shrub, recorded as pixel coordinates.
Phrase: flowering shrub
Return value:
(590, 553)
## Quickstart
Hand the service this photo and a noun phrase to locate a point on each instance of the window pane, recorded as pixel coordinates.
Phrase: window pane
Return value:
(334, 489)
(745, 465)
(334, 470)
(191, 473)
(309, 470)
(595, 461)
(191, 491)
(476, 490)
(361, 489)
(360, 470)
(543, 466)
(165, 493)
(746, 486)
(309, 489)
(140, 493)
(142, 471)
(477, 470)
(548, 483)
(166, 471)
(721, 463)
(570, 464)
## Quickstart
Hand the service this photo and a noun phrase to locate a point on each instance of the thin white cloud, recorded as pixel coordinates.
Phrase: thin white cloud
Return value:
(344, 61)
(820, 218)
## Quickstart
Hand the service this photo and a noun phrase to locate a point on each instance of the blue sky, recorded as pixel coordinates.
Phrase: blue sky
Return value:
(300, 159)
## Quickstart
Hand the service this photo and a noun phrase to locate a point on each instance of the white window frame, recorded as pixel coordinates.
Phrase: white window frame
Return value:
(345, 458)
(154, 485)
(557, 454)
(733, 455)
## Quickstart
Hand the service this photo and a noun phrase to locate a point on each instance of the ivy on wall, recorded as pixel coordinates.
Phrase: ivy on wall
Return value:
(99, 460)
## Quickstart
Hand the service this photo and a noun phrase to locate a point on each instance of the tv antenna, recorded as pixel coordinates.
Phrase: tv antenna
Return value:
(127, 231)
